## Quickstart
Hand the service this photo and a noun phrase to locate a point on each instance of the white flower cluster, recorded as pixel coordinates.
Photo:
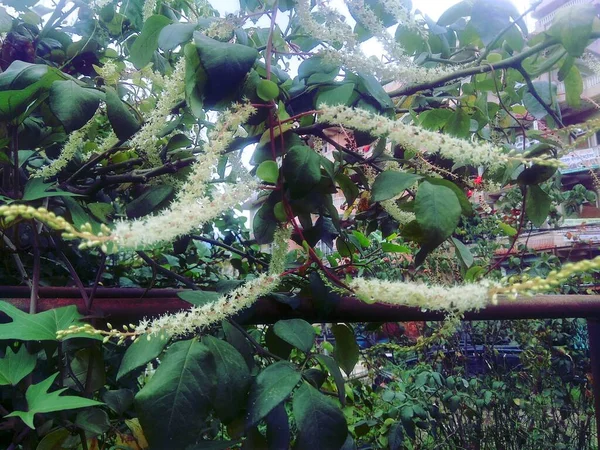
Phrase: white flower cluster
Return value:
(280, 249)
(401, 13)
(400, 216)
(74, 144)
(331, 28)
(149, 7)
(199, 317)
(109, 72)
(192, 207)
(460, 151)
(146, 140)
(455, 299)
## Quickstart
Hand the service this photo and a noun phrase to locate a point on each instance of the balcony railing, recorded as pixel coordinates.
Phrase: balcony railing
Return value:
(547, 19)
(588, 83)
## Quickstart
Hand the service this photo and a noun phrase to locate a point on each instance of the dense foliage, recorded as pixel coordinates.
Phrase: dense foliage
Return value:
(125, 137)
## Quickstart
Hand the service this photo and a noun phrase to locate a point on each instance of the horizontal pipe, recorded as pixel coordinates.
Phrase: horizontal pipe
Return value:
(131, 304)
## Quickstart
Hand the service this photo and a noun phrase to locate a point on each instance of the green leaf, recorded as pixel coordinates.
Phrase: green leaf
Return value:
(149, 201)
(490, 17)
(94, 421)
(140, 353)
(390, 247)
(177, 399)
(296, 332)
(278, 428)
(264, 224)
(572, 26)
(334, 370)
(536, 174)
(333, 96)
(225, 64)
(39, 400)
(119, 400)
(458, 124)
(396, 436)
(321, 424)
(455, 12)
(435, 119)
(233, 379)
(301, 168)
(121, 119)
(507, 229)
(36, 188)
(267, 90)
(271, 387)
(73, 104)
(6, 21)
(195, 80)
(463, 252)
(573, 87)
(146, 43)
(268, 171)
(547, 93)
(346, 350)
(349, 188)
(537, 205)
(16, 365)
(391, 183)
(437, 210)
(174, 35)
(41, 326)
(88, 368)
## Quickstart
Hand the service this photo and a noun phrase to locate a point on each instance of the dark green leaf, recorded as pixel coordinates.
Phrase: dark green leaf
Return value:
(278, 428)
(321, 424)
(437, 210)
(225, 64)
(271, 387)
(463, 252)
(458, 124)
(177, 399)
(264, 224)
(237, 339)
(301, 168)
(195, 80)
(36, 188)
(93, 420)
(233, 379)
(455, 12)
(435, 119)
(332, 96)
(573, 87)
(346, 350)
(396, 436)
(391, 183)
(537, 205)
(348, 187)
(146, 43)
(119, 400)
(296, 332)
(140, 353)
(334, 370)
(73, 104)
(121, 119)
(148, 201)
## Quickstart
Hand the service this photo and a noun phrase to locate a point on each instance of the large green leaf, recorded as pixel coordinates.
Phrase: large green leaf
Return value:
(264, 224)
(175, 34)
(39, 400)
(321, 424)
(537, 205)
(195, 80)
(437, 210)
(146, 43)
(177, 399)
(16, 365)
(36, 188)
(151, 199)
(225, 64)
(336, 95)
(391, 183)
(547, 92)
(573, 87)
(271, 387)
(572, 26)
(296, 332)
(121, 119)
(346, 349)
(435, 119)
(301, 168)
(334, 370)
(463, 253)
(140, 353)
(233, 379)
(38, 327)
(73, 104)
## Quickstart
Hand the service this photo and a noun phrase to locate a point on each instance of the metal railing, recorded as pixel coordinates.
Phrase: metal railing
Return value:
(547, 19)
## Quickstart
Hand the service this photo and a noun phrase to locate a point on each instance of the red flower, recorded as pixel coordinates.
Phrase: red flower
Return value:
(478, 180)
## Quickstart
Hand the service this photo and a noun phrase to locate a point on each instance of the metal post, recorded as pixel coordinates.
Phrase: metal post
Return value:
(594, 338)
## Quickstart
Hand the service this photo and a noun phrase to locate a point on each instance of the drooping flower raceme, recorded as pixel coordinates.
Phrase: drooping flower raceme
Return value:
(199, 317)
(279, 249)
(462, 152)
(192, 207)
(455, 299)
(146, 139)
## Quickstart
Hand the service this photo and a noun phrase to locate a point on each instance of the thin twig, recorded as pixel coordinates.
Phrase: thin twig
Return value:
(168, 273)
(243, 254)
